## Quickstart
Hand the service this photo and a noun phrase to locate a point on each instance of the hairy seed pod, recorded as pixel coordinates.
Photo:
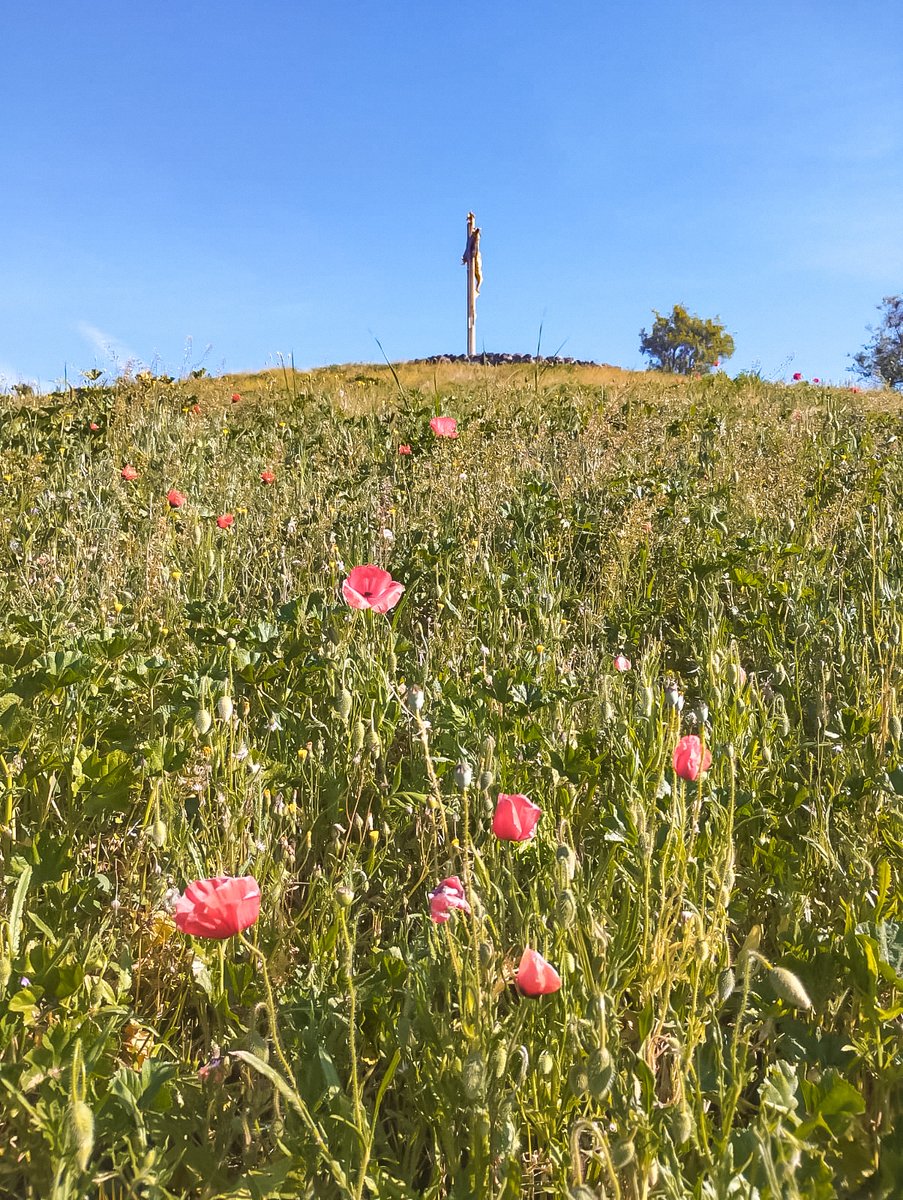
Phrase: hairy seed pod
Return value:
(545, 1064)
(506, 1140)
(488, 749)
(727, 981)
(463, 775)
(608, 712)
(622, 1153)
(6, 969)
(158, 834)
(225, 708)
(344, 896)
(486, 780)
(895, 728)
(473, 1075)
(787, 986)
(392, 665)
(570, 963)
(578, 1079)
(647, 701)
(343, 703)
(600, 1072)
(81, 1132)
(486, 956)
(203, 721)
(766, 753)
(500, 1060)
(566, 909)
(482, 1126)
(358, 734)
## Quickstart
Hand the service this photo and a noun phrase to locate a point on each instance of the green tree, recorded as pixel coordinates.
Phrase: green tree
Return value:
(882, 358)
(683, 343)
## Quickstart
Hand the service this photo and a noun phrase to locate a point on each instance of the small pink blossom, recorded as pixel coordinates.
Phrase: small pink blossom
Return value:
(449, 895)
(515, 818)
(691, 759)
(371, 587)
(444, 427)
(535, 976)
(622, 663)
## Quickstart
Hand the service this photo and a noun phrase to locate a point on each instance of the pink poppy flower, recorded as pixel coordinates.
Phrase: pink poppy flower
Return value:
(236, 398)
(855, 389)
(405, 449)
(196, 409)
(226, 521)
(815, 379)
(94, 427)
(690, 758)
(268, 476)
(175, 498)
(444, 427)
(797, 376)
(371, 587)
(515, 818)
(448, 896)
(219, 907)
(128, 473)
(536, 977)
(622, 663)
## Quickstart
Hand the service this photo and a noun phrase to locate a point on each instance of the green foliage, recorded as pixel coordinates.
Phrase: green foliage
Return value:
(882, 358)
(684, 344)
(178, 701)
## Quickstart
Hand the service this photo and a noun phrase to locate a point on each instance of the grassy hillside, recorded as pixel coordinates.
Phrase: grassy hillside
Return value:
(180, 701)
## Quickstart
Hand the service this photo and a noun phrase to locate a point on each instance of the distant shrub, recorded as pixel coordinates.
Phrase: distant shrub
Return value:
(684, 343)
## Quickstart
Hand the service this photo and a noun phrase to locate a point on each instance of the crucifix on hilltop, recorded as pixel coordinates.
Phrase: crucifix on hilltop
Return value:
(474, 263)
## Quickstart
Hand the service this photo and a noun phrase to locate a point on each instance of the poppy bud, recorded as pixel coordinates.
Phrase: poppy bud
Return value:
(224, 708)
(357, 737)
(463, 775)
(647, 701)
(681, 1127)
(343, 704)
(566, 909)
(473, 1077)
(622, 1154)
(485, 953)
(499, 1060)
(81, 1132)
(344, 896)
(6, 969)
(392, 664)
(727, 981)
(578, 1079)
(788, 987)
(372, 743)
(203, 721)
(520, 1064)
(601, 1073)
(488, 748)
(158, 834)
(895, 728)
(545, 1064)
(486, 780)
(608, 712)
(566, 860)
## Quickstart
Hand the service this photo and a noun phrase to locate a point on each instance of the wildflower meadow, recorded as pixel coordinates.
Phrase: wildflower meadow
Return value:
(451, 782)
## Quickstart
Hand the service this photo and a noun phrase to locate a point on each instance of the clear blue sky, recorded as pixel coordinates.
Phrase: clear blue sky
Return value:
(293, 177)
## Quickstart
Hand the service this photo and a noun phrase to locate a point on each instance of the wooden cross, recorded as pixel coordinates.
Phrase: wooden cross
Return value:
(472, 260)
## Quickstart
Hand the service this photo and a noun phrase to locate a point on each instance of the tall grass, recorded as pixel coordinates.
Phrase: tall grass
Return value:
(730, 948)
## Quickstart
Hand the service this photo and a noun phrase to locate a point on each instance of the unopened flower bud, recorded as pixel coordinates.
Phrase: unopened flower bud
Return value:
(225, 708)
(463, 775)
(203, 721)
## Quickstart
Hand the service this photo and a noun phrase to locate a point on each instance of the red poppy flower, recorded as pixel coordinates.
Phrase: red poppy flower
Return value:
(226, 521)
(797, 376)
(444, 427)
(94, 427)
(515, 818)
(536, 977)
(815, 379)
(447, 896)
(268, 476)
(404, 449)
(371, 587)
(175, 498)
(217, 908)
(196, 409)
(235, 398)
(622, 662)
(690, 758)
(128, 473)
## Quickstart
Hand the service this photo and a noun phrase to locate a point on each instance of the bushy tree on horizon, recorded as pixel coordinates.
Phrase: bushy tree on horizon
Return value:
(684, 343)
(882, 358)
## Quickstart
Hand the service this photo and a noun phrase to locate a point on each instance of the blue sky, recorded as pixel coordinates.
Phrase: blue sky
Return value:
(218, 184)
